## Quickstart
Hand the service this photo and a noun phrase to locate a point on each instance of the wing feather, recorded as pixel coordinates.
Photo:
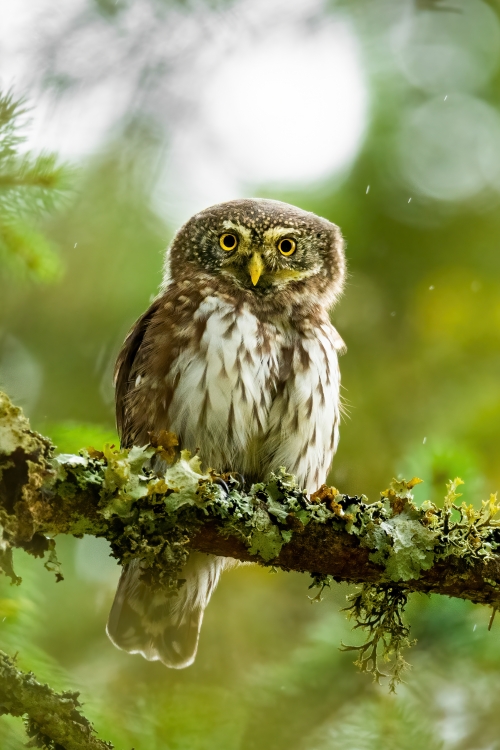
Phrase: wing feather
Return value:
(122, 374)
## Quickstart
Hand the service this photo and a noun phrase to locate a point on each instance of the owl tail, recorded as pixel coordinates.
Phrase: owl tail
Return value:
(164, 626)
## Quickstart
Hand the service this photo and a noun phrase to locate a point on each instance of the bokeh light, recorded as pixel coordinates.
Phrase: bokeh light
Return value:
(454, 48)
(288, 107)
(449, 149)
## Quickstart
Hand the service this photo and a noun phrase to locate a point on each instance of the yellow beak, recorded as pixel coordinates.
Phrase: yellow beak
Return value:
(255, 267)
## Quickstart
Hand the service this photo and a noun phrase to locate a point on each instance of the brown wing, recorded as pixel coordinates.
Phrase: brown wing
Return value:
(123, 368)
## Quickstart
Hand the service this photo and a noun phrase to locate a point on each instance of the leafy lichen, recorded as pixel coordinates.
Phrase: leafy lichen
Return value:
(153, 514)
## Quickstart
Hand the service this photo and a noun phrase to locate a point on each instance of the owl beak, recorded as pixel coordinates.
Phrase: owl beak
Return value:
(255, 267)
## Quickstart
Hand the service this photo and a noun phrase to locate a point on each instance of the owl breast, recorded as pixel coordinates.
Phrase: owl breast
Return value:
(253, 395)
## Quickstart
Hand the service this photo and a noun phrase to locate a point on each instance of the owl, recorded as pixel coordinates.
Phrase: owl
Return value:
(237, 356)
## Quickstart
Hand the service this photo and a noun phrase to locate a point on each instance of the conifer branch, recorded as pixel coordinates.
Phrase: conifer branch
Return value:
(30, 186)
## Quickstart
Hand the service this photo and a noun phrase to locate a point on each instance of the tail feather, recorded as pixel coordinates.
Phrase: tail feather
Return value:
(164, 626)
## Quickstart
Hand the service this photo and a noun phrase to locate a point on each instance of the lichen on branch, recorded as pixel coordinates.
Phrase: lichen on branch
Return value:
(391, 547)
(378, 610)
(53, 720)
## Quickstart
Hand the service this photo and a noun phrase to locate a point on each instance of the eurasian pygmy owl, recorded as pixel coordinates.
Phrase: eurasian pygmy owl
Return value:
(238, 357)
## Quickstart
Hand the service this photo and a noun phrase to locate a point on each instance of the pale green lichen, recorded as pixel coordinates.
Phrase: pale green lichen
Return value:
(53, 720)
(158, 514)
(403, 546)
(153, 515)
(266, 543)
(378, 610)
(407, 540)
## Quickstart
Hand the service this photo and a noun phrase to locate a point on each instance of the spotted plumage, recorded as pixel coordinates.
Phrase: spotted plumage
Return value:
(238, 357)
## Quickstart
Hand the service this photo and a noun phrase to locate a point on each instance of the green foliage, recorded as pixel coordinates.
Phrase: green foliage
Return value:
(30, 187)
(70, 436)
(380, 725)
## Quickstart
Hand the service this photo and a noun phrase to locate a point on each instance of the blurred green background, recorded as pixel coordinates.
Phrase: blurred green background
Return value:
(409, 95)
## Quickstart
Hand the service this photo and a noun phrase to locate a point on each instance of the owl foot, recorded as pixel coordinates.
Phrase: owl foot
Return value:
(222, 484)
(240, 480)
(232, 480)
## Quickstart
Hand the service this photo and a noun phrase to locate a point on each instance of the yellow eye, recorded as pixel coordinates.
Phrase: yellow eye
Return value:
(286, 246)
(228, 241)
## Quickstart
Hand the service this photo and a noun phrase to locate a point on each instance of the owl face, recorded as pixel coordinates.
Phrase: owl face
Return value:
(263, 247)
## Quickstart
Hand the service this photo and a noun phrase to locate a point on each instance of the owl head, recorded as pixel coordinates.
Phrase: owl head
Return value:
(262, 248)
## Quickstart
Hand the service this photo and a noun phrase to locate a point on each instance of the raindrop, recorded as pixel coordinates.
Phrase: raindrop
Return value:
(431, 288)
(473, 629)
(76, 243)
(367, 189)
(445, 98)
(409, 200)
(393, 314)
(424, 440)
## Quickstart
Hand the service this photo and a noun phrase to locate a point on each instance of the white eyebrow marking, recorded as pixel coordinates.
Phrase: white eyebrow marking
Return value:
(273, 234)
(244, 231)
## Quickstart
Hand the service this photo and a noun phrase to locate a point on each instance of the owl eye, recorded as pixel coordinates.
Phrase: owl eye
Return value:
(287, 246)
(228, 241)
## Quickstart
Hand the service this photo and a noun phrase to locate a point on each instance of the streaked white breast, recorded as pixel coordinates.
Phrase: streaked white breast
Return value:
(229, 401)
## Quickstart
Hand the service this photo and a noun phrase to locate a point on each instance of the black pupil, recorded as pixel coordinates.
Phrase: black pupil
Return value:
(229, 241)
(286, 246)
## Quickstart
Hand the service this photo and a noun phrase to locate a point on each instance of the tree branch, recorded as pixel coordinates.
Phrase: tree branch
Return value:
(113, 494)
(391, 546)
(53, 720)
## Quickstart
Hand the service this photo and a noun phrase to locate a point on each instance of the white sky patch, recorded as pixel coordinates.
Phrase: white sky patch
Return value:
(287, 107)
(73, 125)
(263, 94)
(17, 34)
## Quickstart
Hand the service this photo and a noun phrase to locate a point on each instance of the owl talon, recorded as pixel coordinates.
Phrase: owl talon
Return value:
(222, 484)
(240, 479)
(235, 479)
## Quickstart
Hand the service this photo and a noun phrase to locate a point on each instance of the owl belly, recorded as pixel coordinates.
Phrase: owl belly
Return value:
(304, 418)
(225, 385)
(252, 396)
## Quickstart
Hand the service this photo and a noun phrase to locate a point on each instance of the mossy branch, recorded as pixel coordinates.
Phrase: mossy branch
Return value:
(53, 721)
(392, 546)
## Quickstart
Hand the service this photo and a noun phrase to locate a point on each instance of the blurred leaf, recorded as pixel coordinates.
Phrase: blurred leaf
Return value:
(379, 725)
(25, 251)
(69, 436)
